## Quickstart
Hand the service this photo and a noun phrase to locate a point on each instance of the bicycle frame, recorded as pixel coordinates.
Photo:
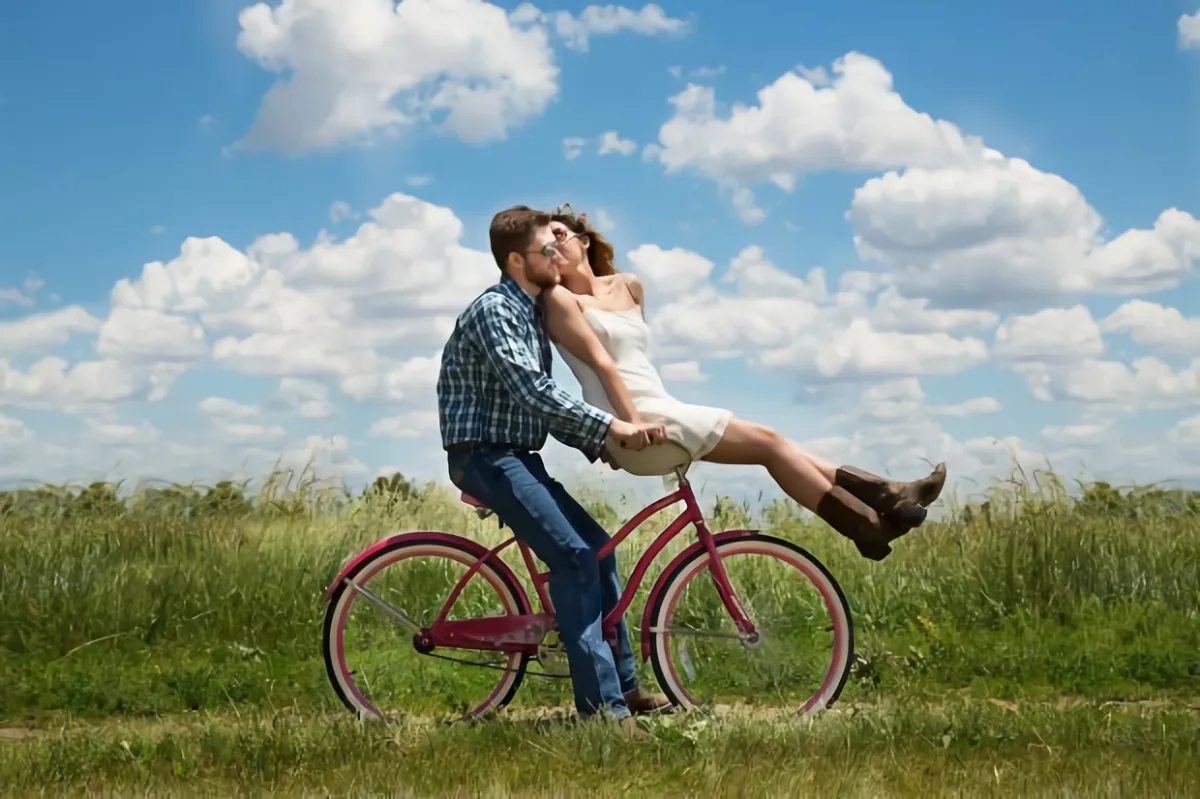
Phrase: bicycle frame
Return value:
(523, 633)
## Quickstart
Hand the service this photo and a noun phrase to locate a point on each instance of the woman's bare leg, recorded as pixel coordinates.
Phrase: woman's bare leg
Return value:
(750, 444)
(858, 504)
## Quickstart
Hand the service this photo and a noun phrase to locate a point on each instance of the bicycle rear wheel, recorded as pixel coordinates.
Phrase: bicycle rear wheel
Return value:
(804, 644)
(370, 658)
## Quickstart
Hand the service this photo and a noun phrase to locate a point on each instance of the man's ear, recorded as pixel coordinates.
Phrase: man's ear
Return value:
(515, 261)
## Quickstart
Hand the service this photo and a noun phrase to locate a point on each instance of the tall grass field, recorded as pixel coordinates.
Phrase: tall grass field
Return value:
(167, 641)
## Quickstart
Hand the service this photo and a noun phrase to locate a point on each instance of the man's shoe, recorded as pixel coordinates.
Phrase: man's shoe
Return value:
(641, 701)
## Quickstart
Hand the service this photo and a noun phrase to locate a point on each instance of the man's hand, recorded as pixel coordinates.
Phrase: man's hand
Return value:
(636, 436)
(606, 457)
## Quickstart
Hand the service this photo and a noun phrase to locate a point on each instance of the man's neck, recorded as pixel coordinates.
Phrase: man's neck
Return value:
(531, 290)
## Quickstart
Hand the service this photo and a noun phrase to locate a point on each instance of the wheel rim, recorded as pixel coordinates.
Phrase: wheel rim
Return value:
(803, 655)
(388, 668)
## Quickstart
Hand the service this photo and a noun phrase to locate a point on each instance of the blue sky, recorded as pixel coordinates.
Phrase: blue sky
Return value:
(127, 131)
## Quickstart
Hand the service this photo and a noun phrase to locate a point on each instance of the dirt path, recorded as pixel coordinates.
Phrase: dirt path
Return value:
(182, 722)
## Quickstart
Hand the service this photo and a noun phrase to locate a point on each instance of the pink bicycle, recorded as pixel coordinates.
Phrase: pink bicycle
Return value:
(772, 600)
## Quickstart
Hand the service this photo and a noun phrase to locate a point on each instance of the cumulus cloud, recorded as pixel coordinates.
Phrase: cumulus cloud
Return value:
(1189, 30)
(1157, 327)
(351, 71)
(951, 219)
(1004, 230)
(573, 147)
(611, 142)
(1050, 335)
(576, 31)
(856, 122)
(781, 320)
(39, 331)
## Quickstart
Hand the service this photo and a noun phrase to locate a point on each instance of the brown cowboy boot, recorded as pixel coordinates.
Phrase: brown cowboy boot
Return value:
(857, 521)
(640, 701)
(890, 498)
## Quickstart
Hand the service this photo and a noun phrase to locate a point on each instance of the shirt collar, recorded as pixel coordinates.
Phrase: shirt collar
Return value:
(514, 290)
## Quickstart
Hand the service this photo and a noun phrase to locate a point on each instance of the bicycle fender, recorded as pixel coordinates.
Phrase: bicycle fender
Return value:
(432, 537)
(669, 569)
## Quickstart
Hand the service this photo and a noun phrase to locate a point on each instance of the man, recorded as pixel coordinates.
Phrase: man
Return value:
(496, 405)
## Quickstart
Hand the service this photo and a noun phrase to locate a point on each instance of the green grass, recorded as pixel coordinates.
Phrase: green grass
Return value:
(920, 748)
(180, 642)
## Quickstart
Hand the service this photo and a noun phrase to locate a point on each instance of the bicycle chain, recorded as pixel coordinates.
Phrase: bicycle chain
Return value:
(493, 666)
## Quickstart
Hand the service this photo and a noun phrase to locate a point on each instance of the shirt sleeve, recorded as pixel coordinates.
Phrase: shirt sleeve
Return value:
(505, 340)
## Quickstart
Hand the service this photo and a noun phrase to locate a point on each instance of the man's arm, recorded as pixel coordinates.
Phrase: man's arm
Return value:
(504, 339)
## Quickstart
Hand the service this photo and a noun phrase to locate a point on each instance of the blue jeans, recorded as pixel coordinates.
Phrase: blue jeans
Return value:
(564, 536)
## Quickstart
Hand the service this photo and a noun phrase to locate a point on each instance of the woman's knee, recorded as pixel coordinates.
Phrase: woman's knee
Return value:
(766, 442)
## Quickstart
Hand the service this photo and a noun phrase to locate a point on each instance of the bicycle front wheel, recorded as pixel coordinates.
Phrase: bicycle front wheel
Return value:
(801, 652)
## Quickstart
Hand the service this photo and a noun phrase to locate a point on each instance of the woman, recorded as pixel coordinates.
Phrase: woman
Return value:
(596, 320)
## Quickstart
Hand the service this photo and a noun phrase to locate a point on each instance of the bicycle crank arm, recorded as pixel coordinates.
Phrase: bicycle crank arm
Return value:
(400, 616)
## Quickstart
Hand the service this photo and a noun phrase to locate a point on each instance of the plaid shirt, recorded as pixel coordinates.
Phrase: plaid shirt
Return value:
(495, 387)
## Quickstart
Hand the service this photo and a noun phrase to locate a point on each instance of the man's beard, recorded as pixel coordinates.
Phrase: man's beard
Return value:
(546, 281)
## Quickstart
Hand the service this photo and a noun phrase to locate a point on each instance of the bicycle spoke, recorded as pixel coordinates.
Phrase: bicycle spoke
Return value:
(376, 672)
(798, 654)
(397, 614)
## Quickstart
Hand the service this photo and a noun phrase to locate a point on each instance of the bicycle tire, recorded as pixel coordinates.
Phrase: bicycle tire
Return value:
(337, 609)
(810, 567)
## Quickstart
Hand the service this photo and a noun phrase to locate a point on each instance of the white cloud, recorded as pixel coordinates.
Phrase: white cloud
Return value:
(1147, 384)
(221, 407)
(1002, 229)
(670, 272)
(1049, 336)
(357, 69)
(858, 122)
(351, 71)
(14, 296)
(573, 147)
(115, 433)
(150, 336)
(746, 206)
(1074, 433)
(411, 424)
(246, 431)
(416, 181)
(1189, 30)
(972, 407)
(1160, 328)
(601, 221)
(335, 308)
(781, 320)
(576, 31)
(13, 431)
(53, 384)
(611, 142)
(683, 372)
(339, 210)
(39, 331)
(307, 398)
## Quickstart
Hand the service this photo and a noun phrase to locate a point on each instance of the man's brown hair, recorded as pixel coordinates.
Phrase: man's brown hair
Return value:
(512, 231)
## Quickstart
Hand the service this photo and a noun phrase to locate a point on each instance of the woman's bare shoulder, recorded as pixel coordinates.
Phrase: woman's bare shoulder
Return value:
(561, 297)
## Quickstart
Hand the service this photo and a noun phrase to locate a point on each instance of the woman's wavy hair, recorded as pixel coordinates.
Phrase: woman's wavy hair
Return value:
(600, 251)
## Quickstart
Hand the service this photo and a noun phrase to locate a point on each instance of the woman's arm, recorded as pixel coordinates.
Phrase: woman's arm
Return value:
(566, 325)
